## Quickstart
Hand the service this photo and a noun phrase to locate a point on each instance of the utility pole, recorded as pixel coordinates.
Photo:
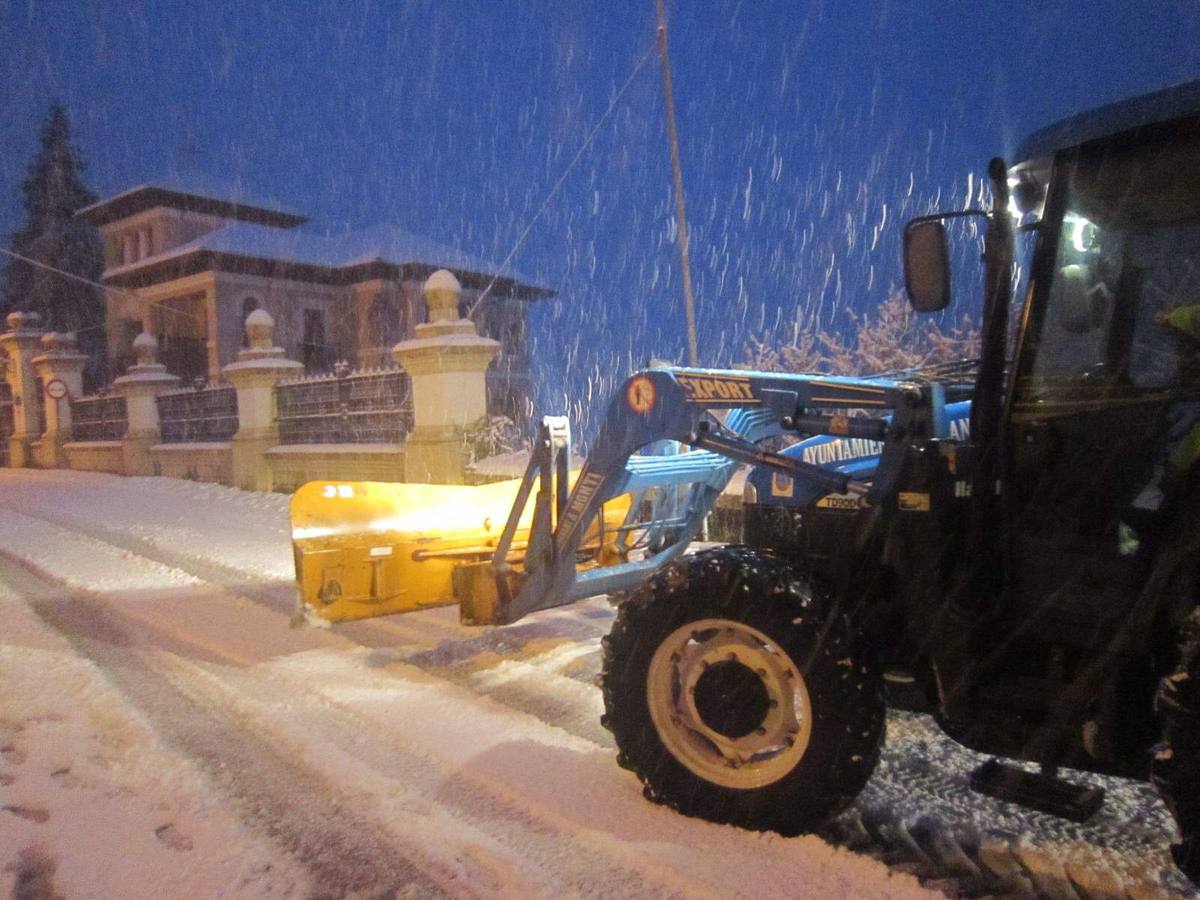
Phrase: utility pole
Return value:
(680, 215)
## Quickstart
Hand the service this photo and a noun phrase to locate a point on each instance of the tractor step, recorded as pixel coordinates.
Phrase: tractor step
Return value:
(1045, 793)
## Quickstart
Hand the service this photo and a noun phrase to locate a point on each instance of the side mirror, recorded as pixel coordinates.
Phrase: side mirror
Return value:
(926, 265)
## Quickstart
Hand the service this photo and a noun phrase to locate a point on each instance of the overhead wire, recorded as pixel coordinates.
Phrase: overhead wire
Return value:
(689, 308)
(91, 283)
(561, 179)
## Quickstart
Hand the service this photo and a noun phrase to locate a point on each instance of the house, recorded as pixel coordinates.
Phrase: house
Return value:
(189, 263)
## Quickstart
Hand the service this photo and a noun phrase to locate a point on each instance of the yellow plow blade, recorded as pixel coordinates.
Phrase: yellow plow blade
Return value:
(368, 548)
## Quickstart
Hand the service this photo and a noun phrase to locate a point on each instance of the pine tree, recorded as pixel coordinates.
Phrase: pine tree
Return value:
(53, 190)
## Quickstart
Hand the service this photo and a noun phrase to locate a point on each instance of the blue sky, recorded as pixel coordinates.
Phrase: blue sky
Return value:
(809, 131)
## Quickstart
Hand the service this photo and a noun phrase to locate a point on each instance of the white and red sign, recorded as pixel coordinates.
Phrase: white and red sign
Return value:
(56, 389)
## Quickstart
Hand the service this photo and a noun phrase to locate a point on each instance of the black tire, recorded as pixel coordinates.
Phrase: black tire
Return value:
(763, 636)
(1176, 767)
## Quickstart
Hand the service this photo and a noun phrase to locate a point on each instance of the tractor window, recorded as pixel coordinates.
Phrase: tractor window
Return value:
(1127, 255)
(1167, 261)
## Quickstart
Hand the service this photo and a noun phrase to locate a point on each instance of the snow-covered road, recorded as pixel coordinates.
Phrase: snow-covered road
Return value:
(163, 732)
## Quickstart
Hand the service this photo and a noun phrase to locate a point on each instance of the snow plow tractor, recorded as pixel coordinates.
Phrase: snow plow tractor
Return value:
(1013, 547)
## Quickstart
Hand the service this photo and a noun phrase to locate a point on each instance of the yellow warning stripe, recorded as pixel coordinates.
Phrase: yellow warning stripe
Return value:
(849, 387)
(853, 401)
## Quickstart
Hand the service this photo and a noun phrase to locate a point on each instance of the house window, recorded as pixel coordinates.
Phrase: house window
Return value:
(249, 305)
(136, 245)
(314, 351)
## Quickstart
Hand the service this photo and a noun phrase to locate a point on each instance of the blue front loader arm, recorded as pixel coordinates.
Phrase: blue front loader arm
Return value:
(722, 415)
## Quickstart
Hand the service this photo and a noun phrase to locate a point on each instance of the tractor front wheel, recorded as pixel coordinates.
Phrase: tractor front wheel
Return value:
(736, 695)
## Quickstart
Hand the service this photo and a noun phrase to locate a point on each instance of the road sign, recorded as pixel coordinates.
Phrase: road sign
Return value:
(56, 389)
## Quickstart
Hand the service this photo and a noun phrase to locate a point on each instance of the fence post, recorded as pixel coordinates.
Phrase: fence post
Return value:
(20, 343)
(259, 368)
(60, 366)
(141, 383)
(341, 371)
(446, 361)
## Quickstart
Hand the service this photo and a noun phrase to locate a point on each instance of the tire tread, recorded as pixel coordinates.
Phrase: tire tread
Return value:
(738, 583)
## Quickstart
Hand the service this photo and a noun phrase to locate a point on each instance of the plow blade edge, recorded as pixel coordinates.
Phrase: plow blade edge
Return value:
(366, 549)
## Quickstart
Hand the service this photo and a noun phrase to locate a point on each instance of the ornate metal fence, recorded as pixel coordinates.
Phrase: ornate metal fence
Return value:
(207, 415)
(99, 418)
(345, 408)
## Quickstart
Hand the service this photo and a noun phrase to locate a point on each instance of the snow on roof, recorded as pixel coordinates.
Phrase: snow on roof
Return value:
(389, 243)
(231, 192)
(202, 184)
(314, 246)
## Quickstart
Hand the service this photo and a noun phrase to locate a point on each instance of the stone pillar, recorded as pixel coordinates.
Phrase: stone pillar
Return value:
(259, 368)
(61, 361)
(145, 380)
(20, 344)
(446, 361)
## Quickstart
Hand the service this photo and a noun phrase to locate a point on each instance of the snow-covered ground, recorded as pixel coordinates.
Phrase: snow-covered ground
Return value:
(163, 733)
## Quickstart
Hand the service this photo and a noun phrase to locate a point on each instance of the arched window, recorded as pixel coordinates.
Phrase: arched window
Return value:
(249, 305)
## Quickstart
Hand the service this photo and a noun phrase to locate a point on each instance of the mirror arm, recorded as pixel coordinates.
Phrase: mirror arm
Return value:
(937, 217)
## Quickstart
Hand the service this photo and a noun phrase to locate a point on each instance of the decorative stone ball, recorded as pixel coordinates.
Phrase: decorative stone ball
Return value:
(145, 348)
(442, 293)
(22, 320)
(260, 328)
(59, 341)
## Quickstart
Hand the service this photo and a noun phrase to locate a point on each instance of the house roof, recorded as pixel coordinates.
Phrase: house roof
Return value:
(308, 252)
(196, 193)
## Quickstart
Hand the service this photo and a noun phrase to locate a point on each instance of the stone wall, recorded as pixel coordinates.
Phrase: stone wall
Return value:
(96, 456)
(449, 358)
(294, 464)
(194, 462)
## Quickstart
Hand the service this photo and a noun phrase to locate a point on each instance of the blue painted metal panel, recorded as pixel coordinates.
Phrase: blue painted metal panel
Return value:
(854, 456)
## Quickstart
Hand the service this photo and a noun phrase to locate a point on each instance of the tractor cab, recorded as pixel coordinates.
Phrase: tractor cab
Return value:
(1066, 597)
(1106, 387)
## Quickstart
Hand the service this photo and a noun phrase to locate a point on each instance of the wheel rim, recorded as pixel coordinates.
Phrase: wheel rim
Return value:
(729, 703)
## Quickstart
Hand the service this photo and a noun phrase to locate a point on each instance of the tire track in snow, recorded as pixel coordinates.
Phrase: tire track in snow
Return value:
(517, 827)
(346, 854)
